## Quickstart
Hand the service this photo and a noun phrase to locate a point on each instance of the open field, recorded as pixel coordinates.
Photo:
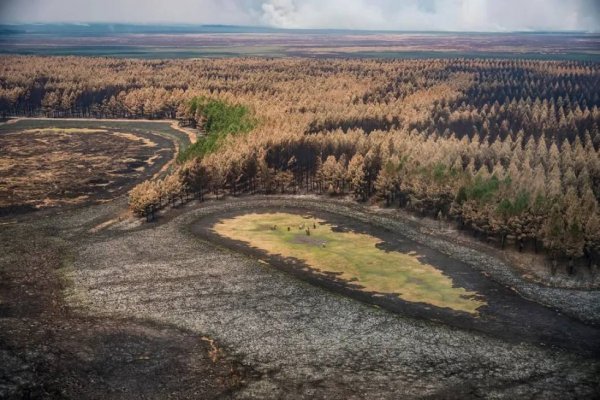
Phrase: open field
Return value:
(349, 256)
(47, 163)
(132, 300)
(198, 42)
(47, 351)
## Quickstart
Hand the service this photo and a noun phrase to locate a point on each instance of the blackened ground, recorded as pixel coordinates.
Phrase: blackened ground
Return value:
(304, 340)
(46, 166)
(506, 314)
(48, 351)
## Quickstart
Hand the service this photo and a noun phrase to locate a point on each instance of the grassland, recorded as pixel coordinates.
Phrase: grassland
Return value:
(351, 256)
(198, 42)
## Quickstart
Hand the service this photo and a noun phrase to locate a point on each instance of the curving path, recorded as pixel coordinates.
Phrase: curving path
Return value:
(82, 169)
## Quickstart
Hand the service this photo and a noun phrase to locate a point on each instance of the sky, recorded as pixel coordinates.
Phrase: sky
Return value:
(442, 15)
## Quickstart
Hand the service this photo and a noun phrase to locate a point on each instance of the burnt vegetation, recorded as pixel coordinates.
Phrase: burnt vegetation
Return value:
(509, 149)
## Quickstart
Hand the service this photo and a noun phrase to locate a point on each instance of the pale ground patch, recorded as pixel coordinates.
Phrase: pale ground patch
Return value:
(353, 257)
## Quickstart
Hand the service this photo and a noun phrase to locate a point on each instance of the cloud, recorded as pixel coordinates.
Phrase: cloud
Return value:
(233, 12)
(323, 14)
(280, 13)
(454, 15)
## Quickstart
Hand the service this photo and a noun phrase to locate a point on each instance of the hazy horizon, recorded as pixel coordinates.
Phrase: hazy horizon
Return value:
(373, 15)
(192, 25)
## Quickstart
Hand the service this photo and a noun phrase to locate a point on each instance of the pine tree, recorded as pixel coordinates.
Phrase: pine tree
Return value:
(356, 176)
(553, 233)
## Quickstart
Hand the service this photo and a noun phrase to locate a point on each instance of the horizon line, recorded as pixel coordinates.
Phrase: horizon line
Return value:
(265, 27)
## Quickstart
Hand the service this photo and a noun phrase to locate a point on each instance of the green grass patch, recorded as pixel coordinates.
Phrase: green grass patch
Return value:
(353, 257)
(219, 120)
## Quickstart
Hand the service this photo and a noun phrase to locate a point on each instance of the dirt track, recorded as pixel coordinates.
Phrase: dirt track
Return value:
(192, 134)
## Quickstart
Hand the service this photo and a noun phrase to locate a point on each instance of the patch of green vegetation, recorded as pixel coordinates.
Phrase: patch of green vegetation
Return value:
(219, 120)
(353, 257)
(441, 173)
(511, 208)
(481, 189)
